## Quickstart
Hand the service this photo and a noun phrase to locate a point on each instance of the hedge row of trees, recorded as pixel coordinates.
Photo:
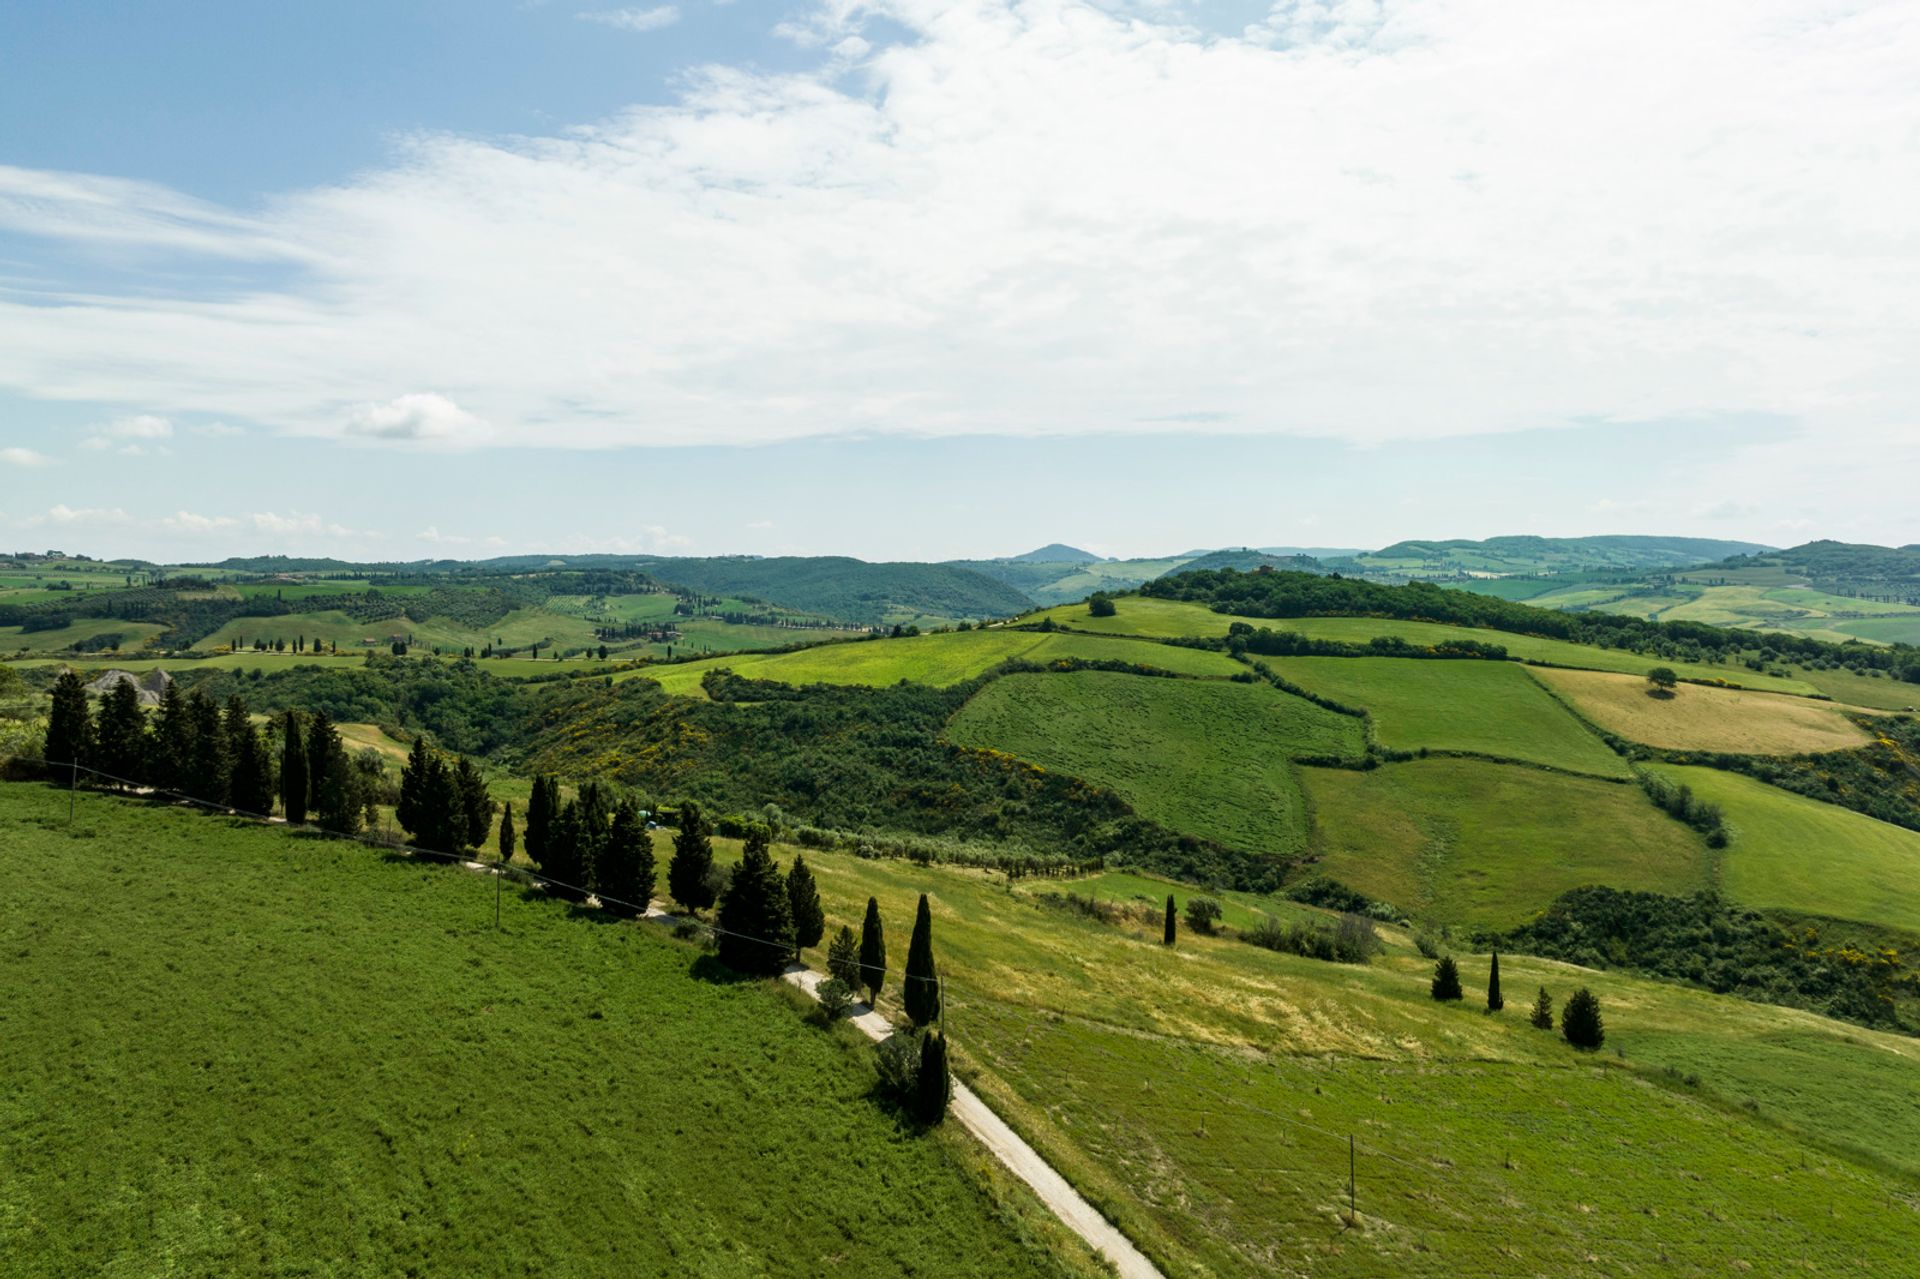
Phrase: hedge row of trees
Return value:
(191, 745)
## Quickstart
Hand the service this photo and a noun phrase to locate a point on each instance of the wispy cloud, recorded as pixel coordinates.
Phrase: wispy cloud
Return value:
(664, 15)
(24, 457)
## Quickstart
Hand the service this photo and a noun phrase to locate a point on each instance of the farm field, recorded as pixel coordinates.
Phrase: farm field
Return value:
(935, 659)
(389, 1086)
(517, 629)
(1202, 1096)
(1793, 853)
(1879, 692)
(1694, 717)
(1474, 844)
(1488, 708)
(1208, 758)
(133, 635)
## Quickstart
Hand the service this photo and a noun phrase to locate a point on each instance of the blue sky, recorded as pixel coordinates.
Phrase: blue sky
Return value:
(922, 280)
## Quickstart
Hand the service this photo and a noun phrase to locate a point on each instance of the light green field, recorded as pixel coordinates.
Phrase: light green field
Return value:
(1209, 758)
(1880, 692)
(1694, 717)
(1792, 853)
(517, 629)
(134, 635)
(1487, 708)
(1881, 630)
(1139, 615)
(1475, 844)
(939, 660)
(308, 588)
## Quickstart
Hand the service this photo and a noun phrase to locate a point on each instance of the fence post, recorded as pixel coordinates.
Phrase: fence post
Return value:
(498, 871)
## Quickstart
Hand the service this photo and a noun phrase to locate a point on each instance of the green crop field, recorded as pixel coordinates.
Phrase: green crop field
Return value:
(1697, 718)
(1488, 708)
(1210, 758)
(1202, 1097)
(1138, 615)
(1879, 691)
(231, 1049)
(517, 629)
(936, 659)
(133, 635)
(1798, 854)
(1466, 842)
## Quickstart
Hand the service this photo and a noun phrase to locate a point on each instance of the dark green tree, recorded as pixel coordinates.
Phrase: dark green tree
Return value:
(1662, 680)
(1100, 604)
(803, 904)
(336, 799)
(506, 833)
(933, 1084)
(1580, 1020)
(1446, 979)
(692, 859)
(69, 731)
(843, 958)
(873, 953)
(542, 805)
(755, 922)
(1494, 1002)
(442, 819)
(323, 743)
(413, 780)
(171, 742)
(120, 734)
(1168, 935)
(250, 785)
(625, 867)
(921, 991)
(476, 804)
(208, 759)
(563, 862)
(293, 768)
(596, 822)
(1542, 1017)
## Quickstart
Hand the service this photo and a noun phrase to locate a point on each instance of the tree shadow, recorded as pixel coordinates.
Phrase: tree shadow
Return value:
(1661, 694)
(708, 968)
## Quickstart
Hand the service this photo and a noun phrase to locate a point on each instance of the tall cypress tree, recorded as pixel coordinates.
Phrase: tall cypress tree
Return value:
(692, 859)
(506, 833)
(1166, 937)
(476, 804)
(209, 760)
(803, 903)
(562, 862)
(756, 925)
(873, 953)
(172, 741)
(541, 808)
(413, 778)
(932, 1085)
(293, 769)
(120, 734)
(336, 800)
(1494, 1002)
(69, 732)
(441, 815)
(922, 989)
(323, 743)
(625, 869)
(250, 785)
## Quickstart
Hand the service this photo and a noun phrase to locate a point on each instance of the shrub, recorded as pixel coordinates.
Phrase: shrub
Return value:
(1100, 604)
(1202, 914)
(1446, 979)
(1542, 1017)
(1350, 941)
(1427, 944)
(897, 1059)
(1580, 1022)
(835, 997)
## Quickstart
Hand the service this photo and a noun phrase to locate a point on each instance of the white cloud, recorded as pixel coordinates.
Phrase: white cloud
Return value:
(1373, 221)
(192, 523)
(217, 430)
(431, 533)
(64, 516)
(302, 525)
(653, 19)
(142, 434)
(24, 457)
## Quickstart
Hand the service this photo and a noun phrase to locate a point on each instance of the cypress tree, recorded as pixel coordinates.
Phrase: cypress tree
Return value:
(562, 862)
(120, 734)
(68, 729)
(323, 743)
(336, 799)
(803, 903)
(413, 780)
(873, 953)
(692, 859)
(476, 804)
(625, 869)
(1580, 1020)
(209, 759)
(1446, 979)
(541, 807)
(172, 742)
(922, 989)
(1167, 936)
(506, 833)
(843, 958)
(596, 818)
(441, 817)
(756, 925)
(1543, 1011)
(1494, 1002)
(933, 1085)
(293, 769)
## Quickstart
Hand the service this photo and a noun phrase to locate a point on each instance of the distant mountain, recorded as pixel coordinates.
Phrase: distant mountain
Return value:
(1848, 567)
(840, 587)
(1246, 559)
(1314, 552)
(1056, 553)
(1526, 554)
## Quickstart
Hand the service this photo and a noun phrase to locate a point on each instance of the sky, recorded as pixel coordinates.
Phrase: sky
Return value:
(398, 279)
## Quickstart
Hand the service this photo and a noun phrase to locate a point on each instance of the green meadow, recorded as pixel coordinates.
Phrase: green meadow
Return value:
(1476, 844)
(1210, 758)
(133, 635)
(1487, 708)
(235, 1050)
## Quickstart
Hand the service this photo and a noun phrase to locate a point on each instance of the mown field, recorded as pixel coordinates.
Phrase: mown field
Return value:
(1693, 717)
(1475, 844)
(233, 1050)
(1792, 853)
(133, 635)
(1488, 708)
(1202, 1096)
(1211, 758)
(939, 660)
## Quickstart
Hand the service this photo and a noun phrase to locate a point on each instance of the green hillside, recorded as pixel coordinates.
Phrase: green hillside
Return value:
(847, 589)
(1210, 759)
(1509, 555)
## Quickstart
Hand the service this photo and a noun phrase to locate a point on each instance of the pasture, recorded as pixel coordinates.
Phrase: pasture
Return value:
(133, 636)
(1474, 844)
(1792, 853)
(1210, 758)
(1485, 708)
(1696, 718)
(232, 1049)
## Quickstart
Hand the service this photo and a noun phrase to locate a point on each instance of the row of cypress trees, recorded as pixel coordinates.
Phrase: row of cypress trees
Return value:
(1580, 1023)
(444, 806)
(190, 746)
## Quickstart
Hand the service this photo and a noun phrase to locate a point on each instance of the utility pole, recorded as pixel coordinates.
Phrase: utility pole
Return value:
(498, 872)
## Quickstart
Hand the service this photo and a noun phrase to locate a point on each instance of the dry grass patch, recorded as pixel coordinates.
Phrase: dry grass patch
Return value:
(1698, 718)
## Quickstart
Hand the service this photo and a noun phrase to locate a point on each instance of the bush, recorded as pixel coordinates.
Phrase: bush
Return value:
(1350, 941)
(1202, 914)
(1580, 1021)
(835, 997)
(897, 1059)
(1100, 604)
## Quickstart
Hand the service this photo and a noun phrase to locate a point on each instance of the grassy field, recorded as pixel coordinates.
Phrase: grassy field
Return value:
(936, 659)
(1489, 708)
(234, 1050)
(1207, 757)
(1202, 1097)
(1465, 842)
(1879, 692)
(517, 629)
(1697, 718)
(133, 635)
(1802, 855)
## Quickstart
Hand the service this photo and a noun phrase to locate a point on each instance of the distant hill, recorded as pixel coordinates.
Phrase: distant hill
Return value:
(847, 589)
(1056, 553)
(1526, 554)
(1246, 559)
(1849, 567)
(1314, 552)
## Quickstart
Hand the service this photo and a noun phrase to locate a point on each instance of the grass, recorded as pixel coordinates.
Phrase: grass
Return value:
(1209, 758)
(935, 659)
(132, 635)
(1474, 844)
(1487, 708)
(1879, 692)
(1798, 854)
(235, 1050)
(1697, 718)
